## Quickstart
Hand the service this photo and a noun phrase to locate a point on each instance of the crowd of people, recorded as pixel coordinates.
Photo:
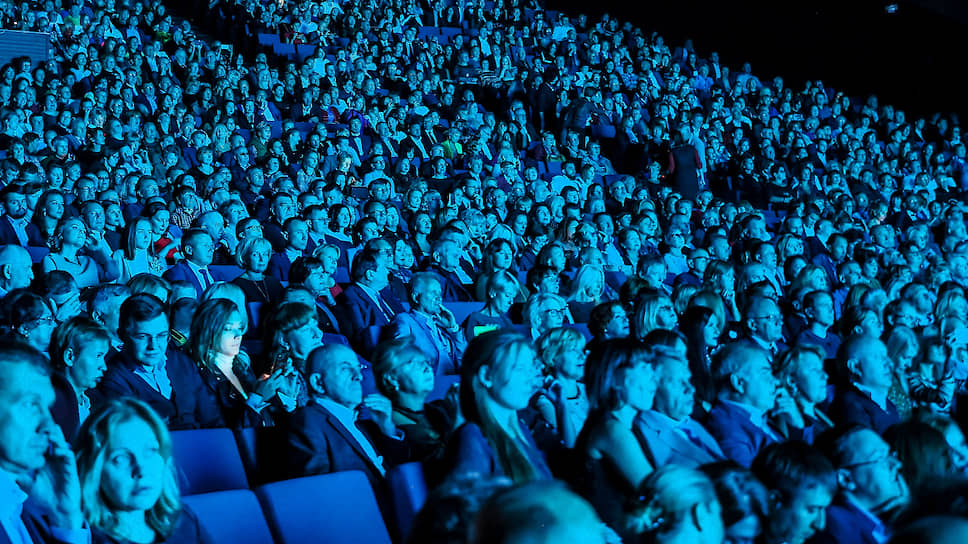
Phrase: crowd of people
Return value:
(602, 288)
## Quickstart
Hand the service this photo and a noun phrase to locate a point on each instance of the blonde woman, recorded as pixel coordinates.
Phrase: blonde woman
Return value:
(129, 491)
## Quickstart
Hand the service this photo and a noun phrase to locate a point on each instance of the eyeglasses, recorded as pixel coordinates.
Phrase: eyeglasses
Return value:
(771, 318)
(891, 455)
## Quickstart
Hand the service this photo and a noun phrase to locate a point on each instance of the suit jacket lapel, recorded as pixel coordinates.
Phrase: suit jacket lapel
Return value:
(350, 439)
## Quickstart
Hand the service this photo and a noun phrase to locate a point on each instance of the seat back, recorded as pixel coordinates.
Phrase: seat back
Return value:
(231, 517)
(208, 460)
(463, 309)
(261, 452)
(337, 508)
(408, 492)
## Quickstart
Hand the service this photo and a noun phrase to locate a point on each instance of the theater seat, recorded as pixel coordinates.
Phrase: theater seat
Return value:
(463, 309)
(337, 508)
(208, 460)
(408, 492)
(231, 517)
(260, 450)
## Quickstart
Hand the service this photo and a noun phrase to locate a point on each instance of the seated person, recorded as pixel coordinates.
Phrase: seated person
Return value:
(818, 307)
(668, 432)
(800, 372)
(431, 326)
(683, 508)
(746, 392)
(608, 320)
(872, 488)
(499, 375)
(297, 239)
(363, 304)
(445, 262)
(16, 268)
(199, 249)
(148, 369)
(34, 449)
(562, 402)
(242, 398)
(803, 483)
(129, 486)
(405, 376)
(620, 380)
(77, 351)
(868, 370)
(543, 312)
(326, 434)
(500, 292)
(538, 512)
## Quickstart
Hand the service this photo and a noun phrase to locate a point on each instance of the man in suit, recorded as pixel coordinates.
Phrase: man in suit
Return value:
(669, 433)
(802, 483)
(199, 250)
(445, 262)
(297, 238)
(431, 326)
(872, 488)
(33, 449)
(764, 325)
(148, 370)
(327, 435)
(362, 305)
(747, 390)
(865, 361)
(15, 225)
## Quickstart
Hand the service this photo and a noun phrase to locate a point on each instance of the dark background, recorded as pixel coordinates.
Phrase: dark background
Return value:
(913, 58)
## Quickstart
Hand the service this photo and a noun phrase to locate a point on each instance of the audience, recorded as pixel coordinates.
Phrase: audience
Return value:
(713, 243)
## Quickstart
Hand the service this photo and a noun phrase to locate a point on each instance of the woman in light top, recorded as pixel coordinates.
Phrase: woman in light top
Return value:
(70, 237)
(135, 255)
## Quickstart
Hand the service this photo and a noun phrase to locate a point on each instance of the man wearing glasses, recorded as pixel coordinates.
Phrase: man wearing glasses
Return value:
(764, 324)
(871, 488)
(148, 370)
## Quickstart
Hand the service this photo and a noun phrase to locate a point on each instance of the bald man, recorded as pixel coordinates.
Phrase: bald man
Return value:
(865, 361)
(327, 436)
(16, 268)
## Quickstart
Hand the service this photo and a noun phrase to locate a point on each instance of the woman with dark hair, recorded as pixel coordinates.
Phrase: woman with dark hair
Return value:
(135, 255)
(48, 212)
(215, 345)
(165, 237)
(702, 329)
(620, 383)
(420, 227)
(498, 256)
(499, 375)
(926, 458)
(129, 490)
(77, 351)
(340, 225)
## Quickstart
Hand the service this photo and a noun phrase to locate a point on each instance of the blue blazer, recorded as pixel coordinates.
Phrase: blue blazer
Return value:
(188, 407)
(851, 405)
(666, 445)
(8, 236)
(355, 311)
(445, 358)
(847, 525)
(738, 437)
(180, 271)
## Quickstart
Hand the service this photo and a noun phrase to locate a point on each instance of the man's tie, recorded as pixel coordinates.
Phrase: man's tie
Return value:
(206, 277)
(385, 308)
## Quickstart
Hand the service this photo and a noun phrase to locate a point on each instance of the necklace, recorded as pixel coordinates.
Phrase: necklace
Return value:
(263, 290)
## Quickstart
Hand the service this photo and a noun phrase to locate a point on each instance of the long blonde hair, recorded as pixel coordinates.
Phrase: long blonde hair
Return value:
(498, 351)
(93, 441)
